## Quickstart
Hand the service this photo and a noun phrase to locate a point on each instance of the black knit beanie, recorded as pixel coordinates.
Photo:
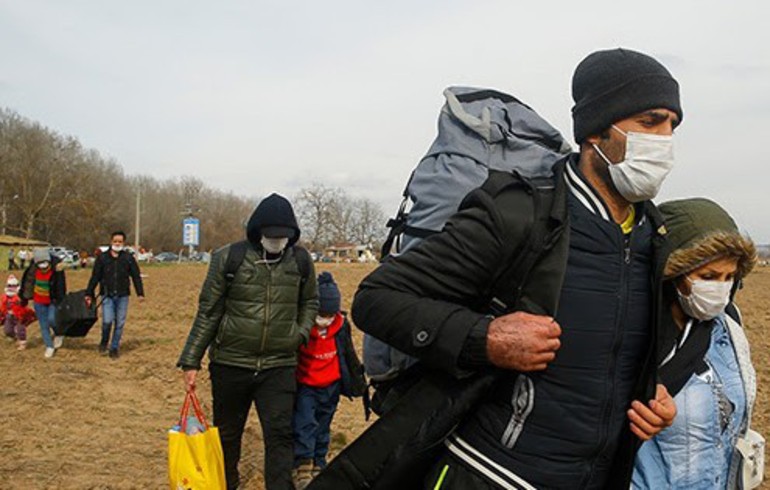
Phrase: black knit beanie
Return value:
(611, 85)
(328, 294)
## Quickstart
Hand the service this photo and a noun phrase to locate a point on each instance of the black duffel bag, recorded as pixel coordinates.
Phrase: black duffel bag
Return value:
(74, 318)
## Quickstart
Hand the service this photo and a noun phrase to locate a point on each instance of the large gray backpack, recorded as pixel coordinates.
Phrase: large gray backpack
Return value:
(478, 130)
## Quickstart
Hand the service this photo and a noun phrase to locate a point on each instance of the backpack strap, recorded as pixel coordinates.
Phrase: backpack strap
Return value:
(302, 256)
(396, 225)
(543, 229)
(235, 256)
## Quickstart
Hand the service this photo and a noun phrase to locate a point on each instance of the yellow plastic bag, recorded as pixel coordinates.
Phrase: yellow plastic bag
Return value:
(195, 459)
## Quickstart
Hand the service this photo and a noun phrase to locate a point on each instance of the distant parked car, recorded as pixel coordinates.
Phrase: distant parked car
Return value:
(167, 257)
(68, 257)
(203, 257)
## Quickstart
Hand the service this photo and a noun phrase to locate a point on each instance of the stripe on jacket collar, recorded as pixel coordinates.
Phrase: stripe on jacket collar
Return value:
(583, 191)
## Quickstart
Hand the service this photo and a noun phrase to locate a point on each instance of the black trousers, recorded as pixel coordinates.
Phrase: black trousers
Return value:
(272, 393)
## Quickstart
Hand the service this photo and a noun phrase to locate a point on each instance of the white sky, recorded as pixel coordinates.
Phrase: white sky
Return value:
(257, 96)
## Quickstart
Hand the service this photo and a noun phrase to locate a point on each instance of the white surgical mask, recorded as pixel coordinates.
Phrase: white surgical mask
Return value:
(649, 158)
(274, 245)
(44, 264)
(707, 299)
(117, 248)
(324, 321)
(11, 290)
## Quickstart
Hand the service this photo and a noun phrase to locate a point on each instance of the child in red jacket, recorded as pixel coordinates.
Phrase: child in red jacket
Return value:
(13, 315)
(322, 374)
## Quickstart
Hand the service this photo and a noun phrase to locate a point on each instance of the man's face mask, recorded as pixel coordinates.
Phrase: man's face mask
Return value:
(274, 245)
(707, 299)
(649, 159)
(117, 248)
(11, 290)
(44, 265)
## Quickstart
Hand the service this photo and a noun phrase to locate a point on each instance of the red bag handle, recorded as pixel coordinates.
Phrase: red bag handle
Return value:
(191, 397)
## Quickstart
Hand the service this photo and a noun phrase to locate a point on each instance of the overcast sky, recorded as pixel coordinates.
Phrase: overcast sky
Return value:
(256, 96)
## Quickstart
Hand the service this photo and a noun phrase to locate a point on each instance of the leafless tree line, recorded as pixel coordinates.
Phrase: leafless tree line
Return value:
(55, 190)
(328, 216)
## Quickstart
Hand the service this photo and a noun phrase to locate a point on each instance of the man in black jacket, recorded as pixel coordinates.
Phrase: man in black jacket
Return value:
(575, 388)
(112, 271)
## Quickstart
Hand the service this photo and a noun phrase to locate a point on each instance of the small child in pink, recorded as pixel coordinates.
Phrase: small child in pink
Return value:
(14, 316)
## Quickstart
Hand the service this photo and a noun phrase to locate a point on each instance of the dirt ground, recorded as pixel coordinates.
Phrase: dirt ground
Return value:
(84, 421)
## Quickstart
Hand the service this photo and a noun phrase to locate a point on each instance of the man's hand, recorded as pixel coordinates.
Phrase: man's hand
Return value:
(522, 341)
(88, 301)
(647, 421)
(141, 299)
(189, 379)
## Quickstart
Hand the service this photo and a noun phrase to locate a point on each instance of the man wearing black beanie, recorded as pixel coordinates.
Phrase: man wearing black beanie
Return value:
(575, 388)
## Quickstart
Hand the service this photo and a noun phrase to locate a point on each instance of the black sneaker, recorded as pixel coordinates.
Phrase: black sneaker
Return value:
(102, 348)
(114, 354)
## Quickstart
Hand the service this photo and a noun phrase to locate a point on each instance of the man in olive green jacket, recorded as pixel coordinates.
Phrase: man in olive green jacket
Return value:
(252, 325)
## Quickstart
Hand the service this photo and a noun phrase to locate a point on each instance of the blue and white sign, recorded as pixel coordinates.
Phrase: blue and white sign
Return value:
(191, 231)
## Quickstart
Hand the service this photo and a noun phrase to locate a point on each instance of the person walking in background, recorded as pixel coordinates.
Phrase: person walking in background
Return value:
(11, 259)
(45, 285)
(327, 368)
(705, 360)
(14, 316)
(256, 307)
(113, 271)
(22, 254)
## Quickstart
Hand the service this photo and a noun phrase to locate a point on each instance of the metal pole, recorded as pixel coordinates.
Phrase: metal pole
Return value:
(138, 213)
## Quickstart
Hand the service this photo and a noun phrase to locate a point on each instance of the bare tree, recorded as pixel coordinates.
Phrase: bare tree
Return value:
(56, 190)
(315, 209)
(368, 223)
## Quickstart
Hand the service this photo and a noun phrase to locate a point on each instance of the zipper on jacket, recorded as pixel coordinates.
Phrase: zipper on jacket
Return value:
(625, 286)
(267, 316)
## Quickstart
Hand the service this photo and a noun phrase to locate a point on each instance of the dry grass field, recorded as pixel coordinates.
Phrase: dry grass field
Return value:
(84, 421)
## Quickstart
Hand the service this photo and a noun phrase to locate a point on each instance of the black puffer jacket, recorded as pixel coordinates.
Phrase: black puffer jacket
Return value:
(427, 301)
(113, 273)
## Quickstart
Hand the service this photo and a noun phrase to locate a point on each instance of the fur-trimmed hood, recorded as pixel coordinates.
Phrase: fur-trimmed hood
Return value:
(700, 231)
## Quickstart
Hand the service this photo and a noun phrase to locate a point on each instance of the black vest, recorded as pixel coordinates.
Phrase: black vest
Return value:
(560, 428)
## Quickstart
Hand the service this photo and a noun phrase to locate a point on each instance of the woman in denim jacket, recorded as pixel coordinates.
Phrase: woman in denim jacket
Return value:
(704, 358)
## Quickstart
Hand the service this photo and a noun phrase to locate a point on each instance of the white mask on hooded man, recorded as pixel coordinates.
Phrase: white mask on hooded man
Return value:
(117, 248)
(649, 159)
(274, 245)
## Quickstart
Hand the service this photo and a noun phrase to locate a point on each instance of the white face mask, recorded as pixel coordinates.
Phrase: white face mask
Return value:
(649, 159)
(117, 248)
(323, 322)
(44, 264)
(11, 290)
(274, 245)
(707, 299)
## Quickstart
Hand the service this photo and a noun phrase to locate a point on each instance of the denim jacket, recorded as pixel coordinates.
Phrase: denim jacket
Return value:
(713, 410)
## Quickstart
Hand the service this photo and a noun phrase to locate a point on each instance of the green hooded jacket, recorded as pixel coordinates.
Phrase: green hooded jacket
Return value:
(267, 312)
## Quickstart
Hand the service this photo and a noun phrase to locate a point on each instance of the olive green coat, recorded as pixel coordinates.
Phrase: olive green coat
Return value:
(267, 314)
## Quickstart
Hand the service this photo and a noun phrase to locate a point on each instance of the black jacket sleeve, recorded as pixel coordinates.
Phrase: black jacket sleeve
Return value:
(427, 301)
(96, 276)
(136, 276)
(58, 282)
